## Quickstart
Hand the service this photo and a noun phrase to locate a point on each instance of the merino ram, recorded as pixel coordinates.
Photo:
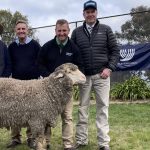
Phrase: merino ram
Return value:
(37, 102)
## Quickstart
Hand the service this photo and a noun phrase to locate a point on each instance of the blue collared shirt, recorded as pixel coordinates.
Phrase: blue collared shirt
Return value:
(28, 39)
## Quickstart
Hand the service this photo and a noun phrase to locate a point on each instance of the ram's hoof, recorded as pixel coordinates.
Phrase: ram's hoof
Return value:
(31, 143)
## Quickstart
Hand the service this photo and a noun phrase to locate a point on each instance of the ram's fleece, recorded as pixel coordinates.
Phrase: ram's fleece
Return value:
(37, 102)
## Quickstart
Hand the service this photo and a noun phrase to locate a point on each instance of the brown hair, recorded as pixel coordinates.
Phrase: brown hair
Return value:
(21, 21)
(61, 21)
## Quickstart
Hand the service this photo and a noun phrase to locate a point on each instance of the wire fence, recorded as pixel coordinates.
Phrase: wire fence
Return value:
(45, 33)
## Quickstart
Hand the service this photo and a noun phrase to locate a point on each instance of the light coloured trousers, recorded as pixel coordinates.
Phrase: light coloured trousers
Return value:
(101, 88)
(67, 128)
(67, 125)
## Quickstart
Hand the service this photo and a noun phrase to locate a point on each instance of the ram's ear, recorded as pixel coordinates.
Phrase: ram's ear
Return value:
(58, 75)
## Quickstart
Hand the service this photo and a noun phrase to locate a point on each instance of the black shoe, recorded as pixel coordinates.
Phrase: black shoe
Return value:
(79, 145)
(31, 143)
(13, 144)
(71, 148)
(104, 148)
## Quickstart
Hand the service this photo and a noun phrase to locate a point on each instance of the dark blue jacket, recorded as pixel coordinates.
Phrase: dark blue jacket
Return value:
(5, 64)
(98, 51)
(50, 56)
(24, 60)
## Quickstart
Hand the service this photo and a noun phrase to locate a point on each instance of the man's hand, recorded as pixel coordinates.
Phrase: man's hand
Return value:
(106, 73)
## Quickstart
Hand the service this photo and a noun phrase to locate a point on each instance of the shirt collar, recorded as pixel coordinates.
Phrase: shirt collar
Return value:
(87, 25)
(28, 39)
(59, 43)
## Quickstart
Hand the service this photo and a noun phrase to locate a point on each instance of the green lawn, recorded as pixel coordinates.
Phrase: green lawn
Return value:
(129, 129)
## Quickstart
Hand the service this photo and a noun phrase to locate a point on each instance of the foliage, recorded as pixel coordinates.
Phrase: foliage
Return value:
(8, 20)
(132, 89)
(138, 28)
(76, 94)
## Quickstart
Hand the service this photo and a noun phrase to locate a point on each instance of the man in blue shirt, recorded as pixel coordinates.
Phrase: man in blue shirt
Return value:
(23, 54)
(5, 64)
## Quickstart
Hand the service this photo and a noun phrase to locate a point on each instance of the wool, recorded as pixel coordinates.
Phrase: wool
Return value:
(36, 102)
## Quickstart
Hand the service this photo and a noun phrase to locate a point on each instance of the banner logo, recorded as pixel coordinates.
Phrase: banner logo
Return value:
(127, 54)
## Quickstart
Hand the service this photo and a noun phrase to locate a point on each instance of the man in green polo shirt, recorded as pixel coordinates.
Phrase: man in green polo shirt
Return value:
(54, 53)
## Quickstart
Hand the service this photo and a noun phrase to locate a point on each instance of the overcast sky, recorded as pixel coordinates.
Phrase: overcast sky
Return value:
(46, 12)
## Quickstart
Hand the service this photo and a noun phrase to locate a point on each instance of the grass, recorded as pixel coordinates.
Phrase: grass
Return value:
(129, 129)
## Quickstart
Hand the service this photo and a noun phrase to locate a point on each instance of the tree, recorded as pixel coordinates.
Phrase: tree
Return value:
(8, 20)
(138, 28)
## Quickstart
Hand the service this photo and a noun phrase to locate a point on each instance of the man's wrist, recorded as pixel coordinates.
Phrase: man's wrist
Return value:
(109, 69)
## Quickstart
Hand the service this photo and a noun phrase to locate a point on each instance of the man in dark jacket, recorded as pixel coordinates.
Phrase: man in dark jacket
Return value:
(5, 64)
(23, 54)
(100, 53)
(54, 53)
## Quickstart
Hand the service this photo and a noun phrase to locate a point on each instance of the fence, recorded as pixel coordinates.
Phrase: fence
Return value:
(45, 33)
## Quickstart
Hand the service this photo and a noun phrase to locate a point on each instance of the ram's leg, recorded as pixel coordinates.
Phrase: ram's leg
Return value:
(48, 135)
(37, 130)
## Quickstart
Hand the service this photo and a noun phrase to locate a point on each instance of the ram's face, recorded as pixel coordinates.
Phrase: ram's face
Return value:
(76, 76)
(73, 73)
